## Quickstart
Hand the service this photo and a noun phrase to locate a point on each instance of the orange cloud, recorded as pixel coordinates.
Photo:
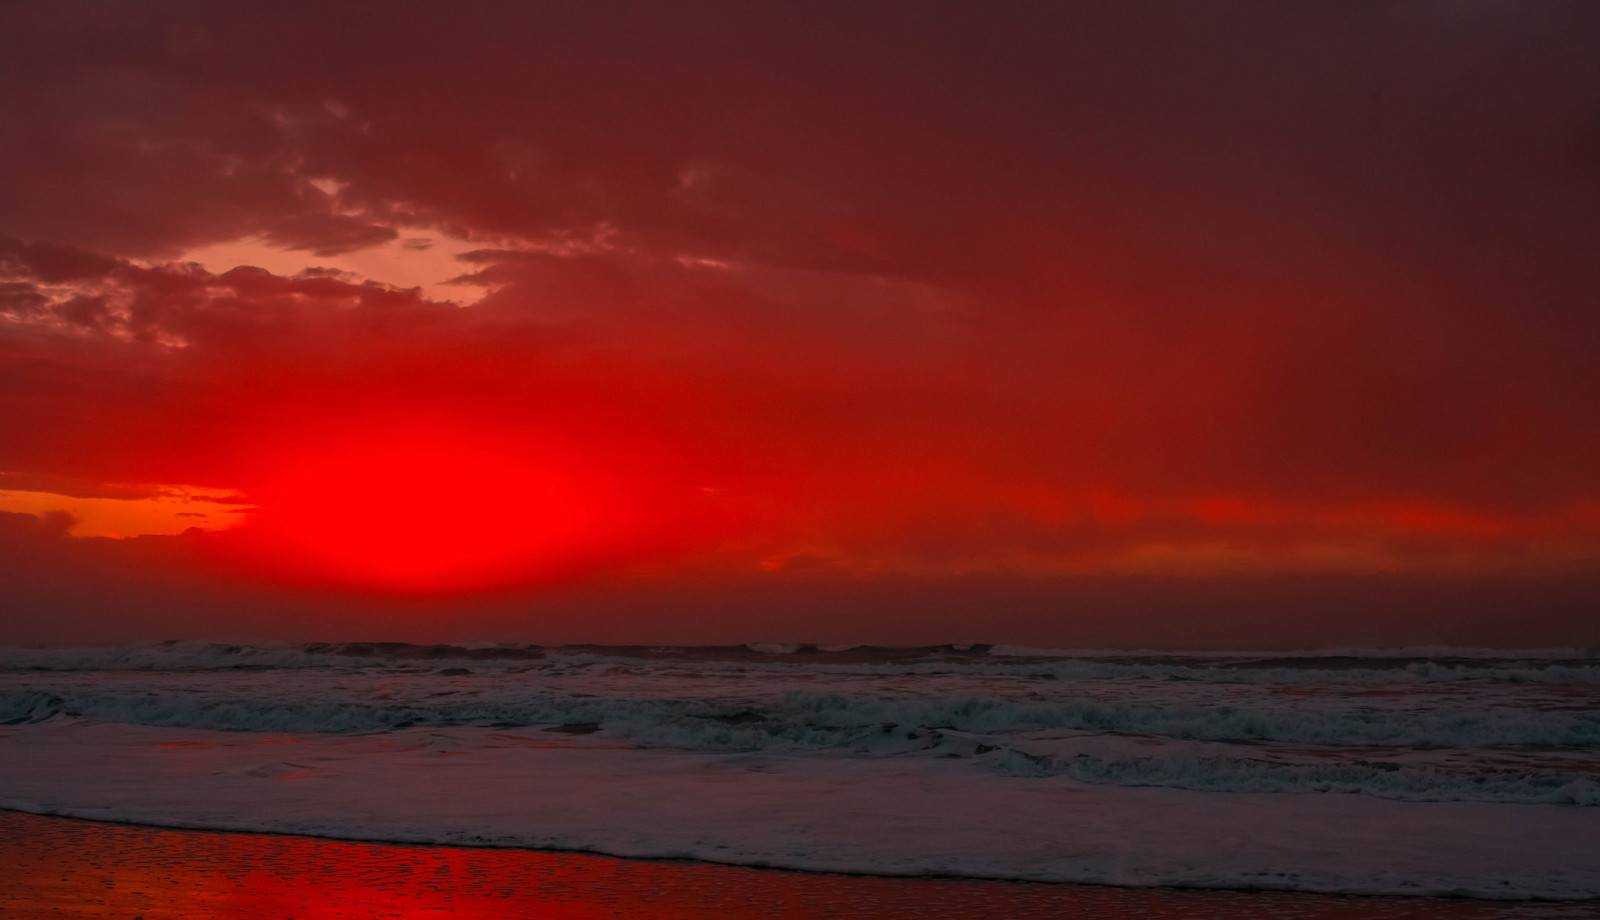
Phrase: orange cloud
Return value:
(164, 510)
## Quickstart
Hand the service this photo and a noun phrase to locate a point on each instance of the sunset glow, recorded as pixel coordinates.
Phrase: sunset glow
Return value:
(711, 311)
(439, 508)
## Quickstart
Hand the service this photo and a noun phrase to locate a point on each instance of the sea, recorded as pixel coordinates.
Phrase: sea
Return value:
(1417, 771)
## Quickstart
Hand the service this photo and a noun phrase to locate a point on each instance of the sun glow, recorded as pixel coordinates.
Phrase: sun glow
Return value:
(438, 509)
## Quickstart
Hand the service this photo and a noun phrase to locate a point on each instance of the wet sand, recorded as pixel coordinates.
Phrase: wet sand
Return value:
(70, 868)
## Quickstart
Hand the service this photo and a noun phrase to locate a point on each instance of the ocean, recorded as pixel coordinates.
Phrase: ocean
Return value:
(1430, 771)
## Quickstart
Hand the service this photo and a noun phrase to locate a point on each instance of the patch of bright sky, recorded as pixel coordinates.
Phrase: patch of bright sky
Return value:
(423, 259)
(169, 510)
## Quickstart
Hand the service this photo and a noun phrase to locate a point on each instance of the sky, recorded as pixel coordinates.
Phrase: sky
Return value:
(1233, 324)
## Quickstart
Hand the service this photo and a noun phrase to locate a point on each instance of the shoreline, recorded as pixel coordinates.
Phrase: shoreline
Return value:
(767, 867)
(62, 866)
(880, 817)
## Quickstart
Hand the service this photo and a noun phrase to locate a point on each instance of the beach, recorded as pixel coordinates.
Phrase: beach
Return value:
(888, 460)
(53, 867)
(1448, 776)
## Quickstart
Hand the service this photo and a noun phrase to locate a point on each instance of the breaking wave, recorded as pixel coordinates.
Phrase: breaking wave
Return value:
(1351, 666)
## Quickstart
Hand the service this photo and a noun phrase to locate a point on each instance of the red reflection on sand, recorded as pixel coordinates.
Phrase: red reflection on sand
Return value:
(55, 867)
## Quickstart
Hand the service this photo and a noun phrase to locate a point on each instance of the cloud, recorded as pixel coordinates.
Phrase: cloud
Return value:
(328, 234)
(22, 528)
(61, 485)
(52, 263)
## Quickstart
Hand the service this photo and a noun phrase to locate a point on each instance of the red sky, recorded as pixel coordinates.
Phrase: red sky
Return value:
(1139, 324)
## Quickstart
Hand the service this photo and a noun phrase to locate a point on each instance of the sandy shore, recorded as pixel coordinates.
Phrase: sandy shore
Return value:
(62, 867)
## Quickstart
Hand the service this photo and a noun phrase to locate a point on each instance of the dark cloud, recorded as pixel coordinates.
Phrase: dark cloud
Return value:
(23, 529)
(61, 485)
(328, 234)
(51, 263)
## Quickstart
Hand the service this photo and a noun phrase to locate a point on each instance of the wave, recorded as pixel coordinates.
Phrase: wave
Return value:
(1331, 666)
(1377, 779)
(1435, 727)
(798, 720)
